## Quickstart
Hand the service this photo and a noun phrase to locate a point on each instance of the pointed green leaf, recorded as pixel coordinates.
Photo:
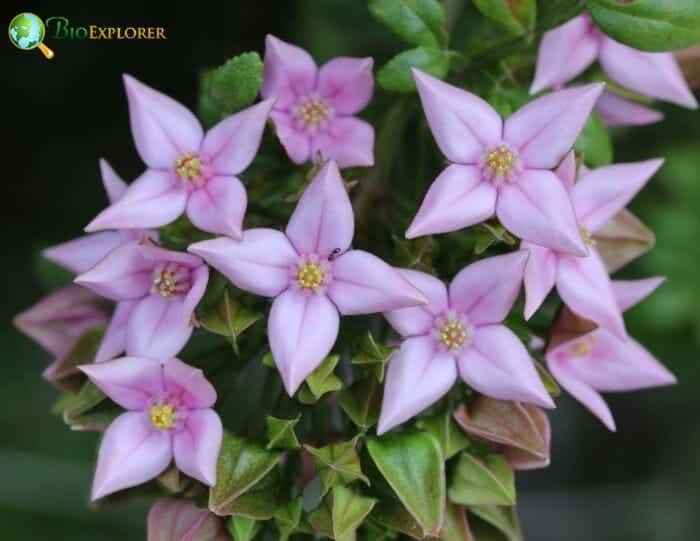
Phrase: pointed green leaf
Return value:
(414, 253)
(280, 433)
(260, 501)
(392, 515)
(482, 481)
(337, 464)
(287, 518)
(362, 402)
(396, 75)
(547, 380)
(372, 353)
(89, 397)
(377, 532)
(503, 519)
(595, 143)
(66, 376)
(321, 518)
(349, 511)
(321, 381)
(418, 22)
(516, 16)
(243, 528)
(455, 527)
(227, 317)
(411, 462)
(447, 433)
(553, 13)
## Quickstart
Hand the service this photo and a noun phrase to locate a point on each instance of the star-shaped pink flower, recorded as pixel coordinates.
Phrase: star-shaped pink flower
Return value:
(156, 290)
(314, 108)
(460, 332)
(583, 282)
(567, 51)
(503, 167)
(168, 416)
(188, 170)
(599, 362)
(312, 274)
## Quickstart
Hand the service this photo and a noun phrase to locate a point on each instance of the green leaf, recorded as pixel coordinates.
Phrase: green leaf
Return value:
(371, 353)
(553, 13)
(349, 511)
(321, 381)
(178, 235)
(418, 22)
(488, 234)
(411, 462)
(504, 519)
(362, 402)
(396, 76)
(649, 25)
(517, 16)
(447, 433)
(241, 465)
(66, 375)
(547, 380)
(243, 528)
(337, 464)
(172, 480)
(455, 527)
(391, 514)
(227, 317)
(85, 400)
(280, 433)
(414, 253)
(321, 518)
(487, 480)
(595, 143)
(287, 518)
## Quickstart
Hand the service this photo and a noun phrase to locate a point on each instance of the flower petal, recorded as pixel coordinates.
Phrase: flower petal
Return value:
(457, 198)
(617, 111)
(419, 320)
(564, 53)
(189, 384)
(585, 288)
(297, 143)
(540, 276)
(302, 329)
(219, 206)
(81, 254)
(158, 327)
(114, 340)
(545, 129)
(290, 72)
(651, 74)
(537, 209)
(566, 171)
(497, 364)
(196, 446)
(155, 198)
(346, 84)
(323, 221)
(132, 452)
(601, 193)
(364, 284)
(631, 292)
(486, 290)
(417, 377)
(259, 263)
(347, 140)
(163, 129)
(129, 381)
(113, 183)
(464, 125)
(232, 144)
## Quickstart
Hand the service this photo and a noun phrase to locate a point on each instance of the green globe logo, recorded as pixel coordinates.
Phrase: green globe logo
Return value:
(27, 32)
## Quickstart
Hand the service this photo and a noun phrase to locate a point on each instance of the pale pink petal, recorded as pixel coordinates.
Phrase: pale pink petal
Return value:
(132, 452)
(419, 320)
(564, 53)
(540, 275)
(189, 384)
(302, 329)
(173, 519)
(196, 445)
(615, 110)
(465, 127)
(364, 284)
(290, 73)
(129, 381)
(158, 327)
(259, 263)
(347, 140)
(651, 74)
(232, 144)
(566, 171)
(323, 221)
(156, 254)
(584, 286)
(417, 377)
(297, 143)
(545, 129)
(113, 183)
(457, 198)
(496, 364)
(81, 254)
(601, 193)
(155, 198)
(486, 290)
(346, 84)
(163, 129)
(631, 292)
(219, 206)
(537, 209)
(114, 340)
(124, 274)
(200, 279)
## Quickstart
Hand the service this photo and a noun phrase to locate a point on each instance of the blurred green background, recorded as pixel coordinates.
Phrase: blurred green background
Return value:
(642, 483)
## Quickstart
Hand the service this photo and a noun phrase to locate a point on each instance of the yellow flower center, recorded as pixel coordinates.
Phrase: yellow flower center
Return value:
(313, 112)
(189, 167)
(582, 348)
(162, 416)
(500, 160)
(310, 276)
(587, 237)
(164, 283)
(453, 335)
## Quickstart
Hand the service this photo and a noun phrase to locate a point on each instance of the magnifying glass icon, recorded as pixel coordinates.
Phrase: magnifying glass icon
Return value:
(27, 32)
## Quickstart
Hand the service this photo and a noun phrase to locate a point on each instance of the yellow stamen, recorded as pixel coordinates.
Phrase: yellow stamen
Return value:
(587, 237)
(189, 167)
(313, 112)
(164, 283)
(453, 335)
(582, 348)
(501, 160)
(162, 416)
(310, 276)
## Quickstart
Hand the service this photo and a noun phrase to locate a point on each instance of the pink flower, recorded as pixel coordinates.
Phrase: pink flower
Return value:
(503, 168)
(168, 416)
(460, 331)
(157, 291)
(598, 361)
(312, 275)
(57, 321)
(171, 519)
(81, 254)
(314, 108)
(188, 170)
(583, 282)
(567, 51)
(617, 111)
